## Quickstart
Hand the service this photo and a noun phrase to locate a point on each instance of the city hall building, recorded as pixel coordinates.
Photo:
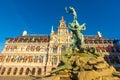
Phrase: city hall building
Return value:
(34, 54)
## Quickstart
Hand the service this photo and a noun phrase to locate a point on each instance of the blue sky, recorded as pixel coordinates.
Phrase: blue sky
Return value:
(37, 16)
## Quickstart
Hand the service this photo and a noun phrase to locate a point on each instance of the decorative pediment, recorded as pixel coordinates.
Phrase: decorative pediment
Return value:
(62, 23)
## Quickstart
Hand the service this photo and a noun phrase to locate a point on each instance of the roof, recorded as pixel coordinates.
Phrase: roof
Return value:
(94, 37)
(30, 38)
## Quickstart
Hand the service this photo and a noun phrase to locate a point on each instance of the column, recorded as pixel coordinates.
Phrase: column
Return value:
(6, 70)
(1, 69)
(36, 71)
(24, 71)
(12, 70)
(42, 70)
(18, 71)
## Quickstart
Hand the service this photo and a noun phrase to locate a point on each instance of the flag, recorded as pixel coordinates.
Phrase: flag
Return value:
(110, 48)
(40, 58)
(15, 47)
(33, 39)
(28, 57)
(17, 57)
(99, 47)
(23, 57)
(12, 58)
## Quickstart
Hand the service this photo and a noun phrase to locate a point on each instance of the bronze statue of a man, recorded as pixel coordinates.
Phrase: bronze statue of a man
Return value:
(71, 10)
(76, 28)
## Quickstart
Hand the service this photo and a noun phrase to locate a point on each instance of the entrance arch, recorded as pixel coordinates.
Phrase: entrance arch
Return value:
(3, 71)
(21, 71)
(33, 71)
(15, 71)
(9, 70)
(27, 71)
(54, 60)
(39, 71)
(53, 69)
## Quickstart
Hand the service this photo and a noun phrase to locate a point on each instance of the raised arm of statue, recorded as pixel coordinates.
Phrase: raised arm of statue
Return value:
(71, 10)
(66, 10)
(83, 26)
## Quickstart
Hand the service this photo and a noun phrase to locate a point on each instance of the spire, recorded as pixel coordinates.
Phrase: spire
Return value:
(62, 18)
(52, 31)
(99, 34)
(62, 22)
(24, 33)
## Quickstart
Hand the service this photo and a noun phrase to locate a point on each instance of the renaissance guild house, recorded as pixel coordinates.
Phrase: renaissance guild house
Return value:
(34, 54)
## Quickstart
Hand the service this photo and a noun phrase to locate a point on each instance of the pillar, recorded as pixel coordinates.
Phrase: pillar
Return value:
(12, 70)
(24, 70)
(36, 71)
(18, 71)
(6, 70)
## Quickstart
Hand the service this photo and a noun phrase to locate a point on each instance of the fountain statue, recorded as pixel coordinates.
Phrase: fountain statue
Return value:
(76, 28)
(87, 66)
(77, 43)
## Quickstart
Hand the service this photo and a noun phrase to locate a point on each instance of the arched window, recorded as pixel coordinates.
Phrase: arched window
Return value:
(35, 58)
(91, 41)
(55, 49)
(8, 58)
(6, 48)
(40, 59)
(38, 48)
(54, 60)
(3, 70)
(12, 58)
(32, 48)
(105, 41)
(96, 41)
(63, 48)
(2, 58)
(39, 71)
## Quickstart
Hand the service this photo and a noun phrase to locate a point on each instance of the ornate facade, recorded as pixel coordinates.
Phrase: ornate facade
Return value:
(32, 54)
